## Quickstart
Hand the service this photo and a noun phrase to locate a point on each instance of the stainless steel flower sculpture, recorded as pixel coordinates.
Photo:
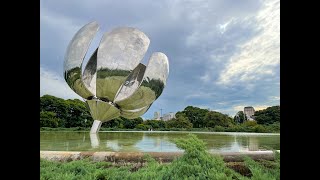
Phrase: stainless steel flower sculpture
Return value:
(114, 83)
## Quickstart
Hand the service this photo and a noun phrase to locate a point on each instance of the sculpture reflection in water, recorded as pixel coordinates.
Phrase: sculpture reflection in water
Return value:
(95, 140)
(236, 143)
(114, 83)
(116, 141)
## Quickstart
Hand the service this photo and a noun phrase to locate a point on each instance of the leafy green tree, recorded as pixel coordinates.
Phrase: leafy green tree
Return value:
(214, 118)
(275, 127)
(122, 123)
(49, 119)
(113, 123)
(180, 122)
(57, 112)
(78, 114)
(142, 127)
(250, 123)
(268, 116)
(195, 115)
(73, 113)
(240, 117)
(180, 113)
(218, 128)
(54, 104)
(131, 123)
(155, 124)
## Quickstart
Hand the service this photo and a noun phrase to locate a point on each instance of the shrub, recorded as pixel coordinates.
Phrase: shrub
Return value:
(260, 129)
(250, 123)
(142, 127)
(219, 129)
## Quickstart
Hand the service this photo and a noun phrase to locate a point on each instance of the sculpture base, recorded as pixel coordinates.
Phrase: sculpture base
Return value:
(95, 126)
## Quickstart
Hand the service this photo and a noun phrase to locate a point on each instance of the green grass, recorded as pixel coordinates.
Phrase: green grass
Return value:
(196, 163)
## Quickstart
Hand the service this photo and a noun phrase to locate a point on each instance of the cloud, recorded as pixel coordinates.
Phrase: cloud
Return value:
(53, 84)
(60, 26)
(238, 108)
(256, 107)
(274, 98)
(205, 78)
(223, 27)
(260, 107)
(260, 55)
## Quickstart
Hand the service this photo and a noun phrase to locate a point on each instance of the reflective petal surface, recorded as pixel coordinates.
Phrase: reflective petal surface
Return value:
(119, 53)
(132, 83)
(90, 73)
(131, 114)
(74, 57)
(152, 85)
(102, 111)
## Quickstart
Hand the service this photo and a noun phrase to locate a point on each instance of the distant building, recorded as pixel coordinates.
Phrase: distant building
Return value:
(169, 116)
(156, 116)
(249, 112)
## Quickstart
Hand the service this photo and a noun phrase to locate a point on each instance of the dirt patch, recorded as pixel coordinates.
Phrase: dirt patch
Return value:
(240, 168)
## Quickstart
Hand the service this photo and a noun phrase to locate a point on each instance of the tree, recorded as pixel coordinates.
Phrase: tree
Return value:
(113, 123)
(268, 116)
(155, 124)
(142, 127)
(132, 123)
(54, 104)
(49, 119)
(250, 123)
(214, 118)
(180, 122)
(78, 114)
(240, 117)
(72, 113)
(195, 115)
(122, 123)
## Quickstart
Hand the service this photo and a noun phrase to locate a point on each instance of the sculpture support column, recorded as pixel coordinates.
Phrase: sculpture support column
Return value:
(95, 126)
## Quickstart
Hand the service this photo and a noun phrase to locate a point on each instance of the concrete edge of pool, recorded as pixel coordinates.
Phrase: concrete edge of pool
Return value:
(134, 157)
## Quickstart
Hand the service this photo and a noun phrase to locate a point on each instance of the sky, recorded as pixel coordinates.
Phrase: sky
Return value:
(223, 54)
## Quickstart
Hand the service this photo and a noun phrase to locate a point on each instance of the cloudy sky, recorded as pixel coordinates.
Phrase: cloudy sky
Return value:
(223, 54)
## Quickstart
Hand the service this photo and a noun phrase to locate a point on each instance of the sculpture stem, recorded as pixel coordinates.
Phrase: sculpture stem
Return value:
(95, 127)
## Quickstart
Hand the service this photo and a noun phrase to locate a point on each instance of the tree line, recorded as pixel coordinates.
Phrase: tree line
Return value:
(59, 113)
(266, 116)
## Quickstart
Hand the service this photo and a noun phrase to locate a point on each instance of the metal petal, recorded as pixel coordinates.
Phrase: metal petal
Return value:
(120, 51)
(90, 73)
(74, 57)
(152, 86)
(102, 111)
(131, 84)
(131, 114)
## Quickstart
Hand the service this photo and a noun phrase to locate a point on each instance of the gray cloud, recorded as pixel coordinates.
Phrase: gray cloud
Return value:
(53, 84)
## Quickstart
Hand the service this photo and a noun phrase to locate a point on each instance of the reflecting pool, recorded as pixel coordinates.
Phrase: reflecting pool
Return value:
(155, 141)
